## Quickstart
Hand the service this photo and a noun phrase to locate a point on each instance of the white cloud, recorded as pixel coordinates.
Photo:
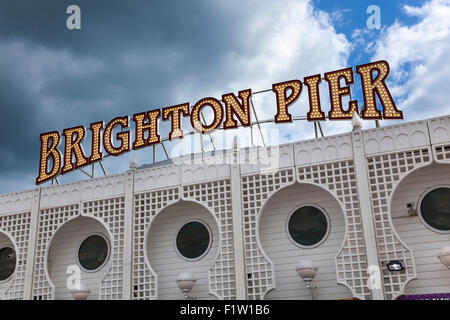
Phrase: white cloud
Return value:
(418, 55)
(280, 41)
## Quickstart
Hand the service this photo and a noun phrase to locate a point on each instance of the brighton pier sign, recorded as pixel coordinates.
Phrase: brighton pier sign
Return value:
(227, 113)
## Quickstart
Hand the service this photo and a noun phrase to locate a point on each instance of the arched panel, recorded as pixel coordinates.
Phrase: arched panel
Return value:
(385, 173)
(109, 212)
(285, 253)
(339, 179)
(50, 220)
(432, 276)
(256, 189)
(165, 259)
(63, 253)
(216, 196)
(146, 206)
(6, 241)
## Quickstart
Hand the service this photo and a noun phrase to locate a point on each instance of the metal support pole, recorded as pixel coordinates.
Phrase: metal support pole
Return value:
(257, 121)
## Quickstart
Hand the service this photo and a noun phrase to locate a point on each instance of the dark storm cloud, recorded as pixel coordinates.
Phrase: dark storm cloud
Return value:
(127, 58)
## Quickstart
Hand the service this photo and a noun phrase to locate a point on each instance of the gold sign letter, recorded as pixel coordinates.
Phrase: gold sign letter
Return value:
(124, 137)
(151, 126)
(283, 100)
(242, 111)
(96, 129)
(175, 112)
(73, 147)
(315, 112)
(49, 150)
(195, 115)
(371, 86)
(337, 92)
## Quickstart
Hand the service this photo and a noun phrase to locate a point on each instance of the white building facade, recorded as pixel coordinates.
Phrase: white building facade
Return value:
(361, 191)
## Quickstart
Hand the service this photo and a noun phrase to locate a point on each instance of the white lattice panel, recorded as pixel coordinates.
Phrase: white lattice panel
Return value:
(216, 196)
(146, 206)
(440, 138)
(112, 213)
(256, 189)
(50, 220)
(385, 171)
(17, 226)
(442, 153)
(339, 179)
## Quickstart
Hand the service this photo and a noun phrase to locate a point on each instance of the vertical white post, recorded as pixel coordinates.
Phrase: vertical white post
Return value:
(128, 236)
(29, 270)
(362, 181)
(236, 205)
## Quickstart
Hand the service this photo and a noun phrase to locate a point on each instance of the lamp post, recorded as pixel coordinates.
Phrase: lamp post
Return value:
(307, 270)
(444, 255)
(185, 283)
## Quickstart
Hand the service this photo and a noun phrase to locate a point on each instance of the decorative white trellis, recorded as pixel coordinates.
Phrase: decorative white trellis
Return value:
(442, 153)
(216, 196)
(385, 157)
(146, 206)
(17, 226)
(256, 189)
(385, 173)
(339, 179)
(111, 213)
(50, 220)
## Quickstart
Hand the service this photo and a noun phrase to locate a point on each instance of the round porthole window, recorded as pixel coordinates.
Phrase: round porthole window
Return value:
(308, 226)
(434, 209)
(7, 263)
(193, 240)
(93, 252)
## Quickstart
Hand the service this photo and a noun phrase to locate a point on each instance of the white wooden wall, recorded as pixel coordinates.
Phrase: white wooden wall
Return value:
(128, 202)
(64, 252)
(163, 256)
(285, 255)
(5, 242)
(432, 276)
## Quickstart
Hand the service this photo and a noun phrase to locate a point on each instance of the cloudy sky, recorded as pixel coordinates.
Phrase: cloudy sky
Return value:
(137, 55)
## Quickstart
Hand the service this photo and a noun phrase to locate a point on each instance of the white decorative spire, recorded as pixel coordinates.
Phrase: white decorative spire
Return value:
(133, 162)
(356, 122)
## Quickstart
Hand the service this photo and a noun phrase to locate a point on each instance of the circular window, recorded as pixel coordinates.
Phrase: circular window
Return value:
(308, 226)
(193, 240)
(7, 263)
(93, 252)
(435, 209)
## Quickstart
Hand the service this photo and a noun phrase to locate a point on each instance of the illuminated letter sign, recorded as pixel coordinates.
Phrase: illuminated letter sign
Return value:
(235, 110)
